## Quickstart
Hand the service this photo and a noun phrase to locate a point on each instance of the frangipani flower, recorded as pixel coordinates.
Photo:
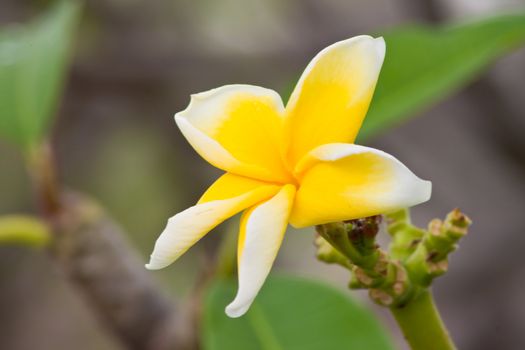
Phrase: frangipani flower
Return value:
(295, 164)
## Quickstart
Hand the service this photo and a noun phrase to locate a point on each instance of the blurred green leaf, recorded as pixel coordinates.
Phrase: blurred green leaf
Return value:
(424, 65)
(23, 230)
(290, 313)
(33, 62)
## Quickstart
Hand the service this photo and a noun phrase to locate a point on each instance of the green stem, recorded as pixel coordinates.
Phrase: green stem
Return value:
(25, 230)
(422, 325)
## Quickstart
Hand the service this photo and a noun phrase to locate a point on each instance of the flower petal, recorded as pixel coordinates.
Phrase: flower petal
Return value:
(226, 197)
(237, 128)
(231, 185)
(345, 181)
(332, 96)
(262, 231)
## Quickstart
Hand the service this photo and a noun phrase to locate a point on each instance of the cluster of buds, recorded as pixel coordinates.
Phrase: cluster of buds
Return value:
(430, 259)
(415, 256)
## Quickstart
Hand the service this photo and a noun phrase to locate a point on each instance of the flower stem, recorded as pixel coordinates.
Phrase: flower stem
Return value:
(422, 325)
(41, 167)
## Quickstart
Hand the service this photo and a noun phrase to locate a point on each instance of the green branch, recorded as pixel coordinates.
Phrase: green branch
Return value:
(399, 278)
(354, 248)
(23, 230)
(421, 324)
(425, 255)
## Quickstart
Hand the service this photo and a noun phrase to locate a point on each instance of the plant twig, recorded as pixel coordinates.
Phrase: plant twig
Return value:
(421, 324)
(400, 278)
(41, 167)
(94, 254)
(372, 268)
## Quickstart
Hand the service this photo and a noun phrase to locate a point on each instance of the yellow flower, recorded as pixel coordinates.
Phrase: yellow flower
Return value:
(295, 164)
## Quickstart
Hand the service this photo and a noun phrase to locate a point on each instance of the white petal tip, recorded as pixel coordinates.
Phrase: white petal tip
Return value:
(426, 190)
(420, 193)
(235, 311)
(380, 46)
(155, 264)
(179, 118)
(380, 41)
(152, 267)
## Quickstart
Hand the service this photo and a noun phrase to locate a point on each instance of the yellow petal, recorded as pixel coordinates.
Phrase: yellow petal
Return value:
(344, 181)
(237, 128)
(262, 232)
(231, 185)
(333, 94)
(229, 195)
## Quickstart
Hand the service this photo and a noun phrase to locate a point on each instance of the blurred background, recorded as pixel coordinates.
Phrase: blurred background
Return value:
(135, 65)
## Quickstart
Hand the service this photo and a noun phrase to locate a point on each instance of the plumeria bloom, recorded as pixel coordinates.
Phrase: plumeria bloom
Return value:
(295, 164)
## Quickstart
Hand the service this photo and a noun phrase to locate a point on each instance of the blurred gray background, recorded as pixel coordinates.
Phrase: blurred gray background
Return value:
(137, 62)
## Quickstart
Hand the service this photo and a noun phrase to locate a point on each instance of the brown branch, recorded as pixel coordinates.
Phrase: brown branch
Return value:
(41, 167)
(94, 254)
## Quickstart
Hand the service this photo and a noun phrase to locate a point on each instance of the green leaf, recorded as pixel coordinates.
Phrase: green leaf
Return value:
(23, 230)
(290, 313)
(33, 62)
(424, 65)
